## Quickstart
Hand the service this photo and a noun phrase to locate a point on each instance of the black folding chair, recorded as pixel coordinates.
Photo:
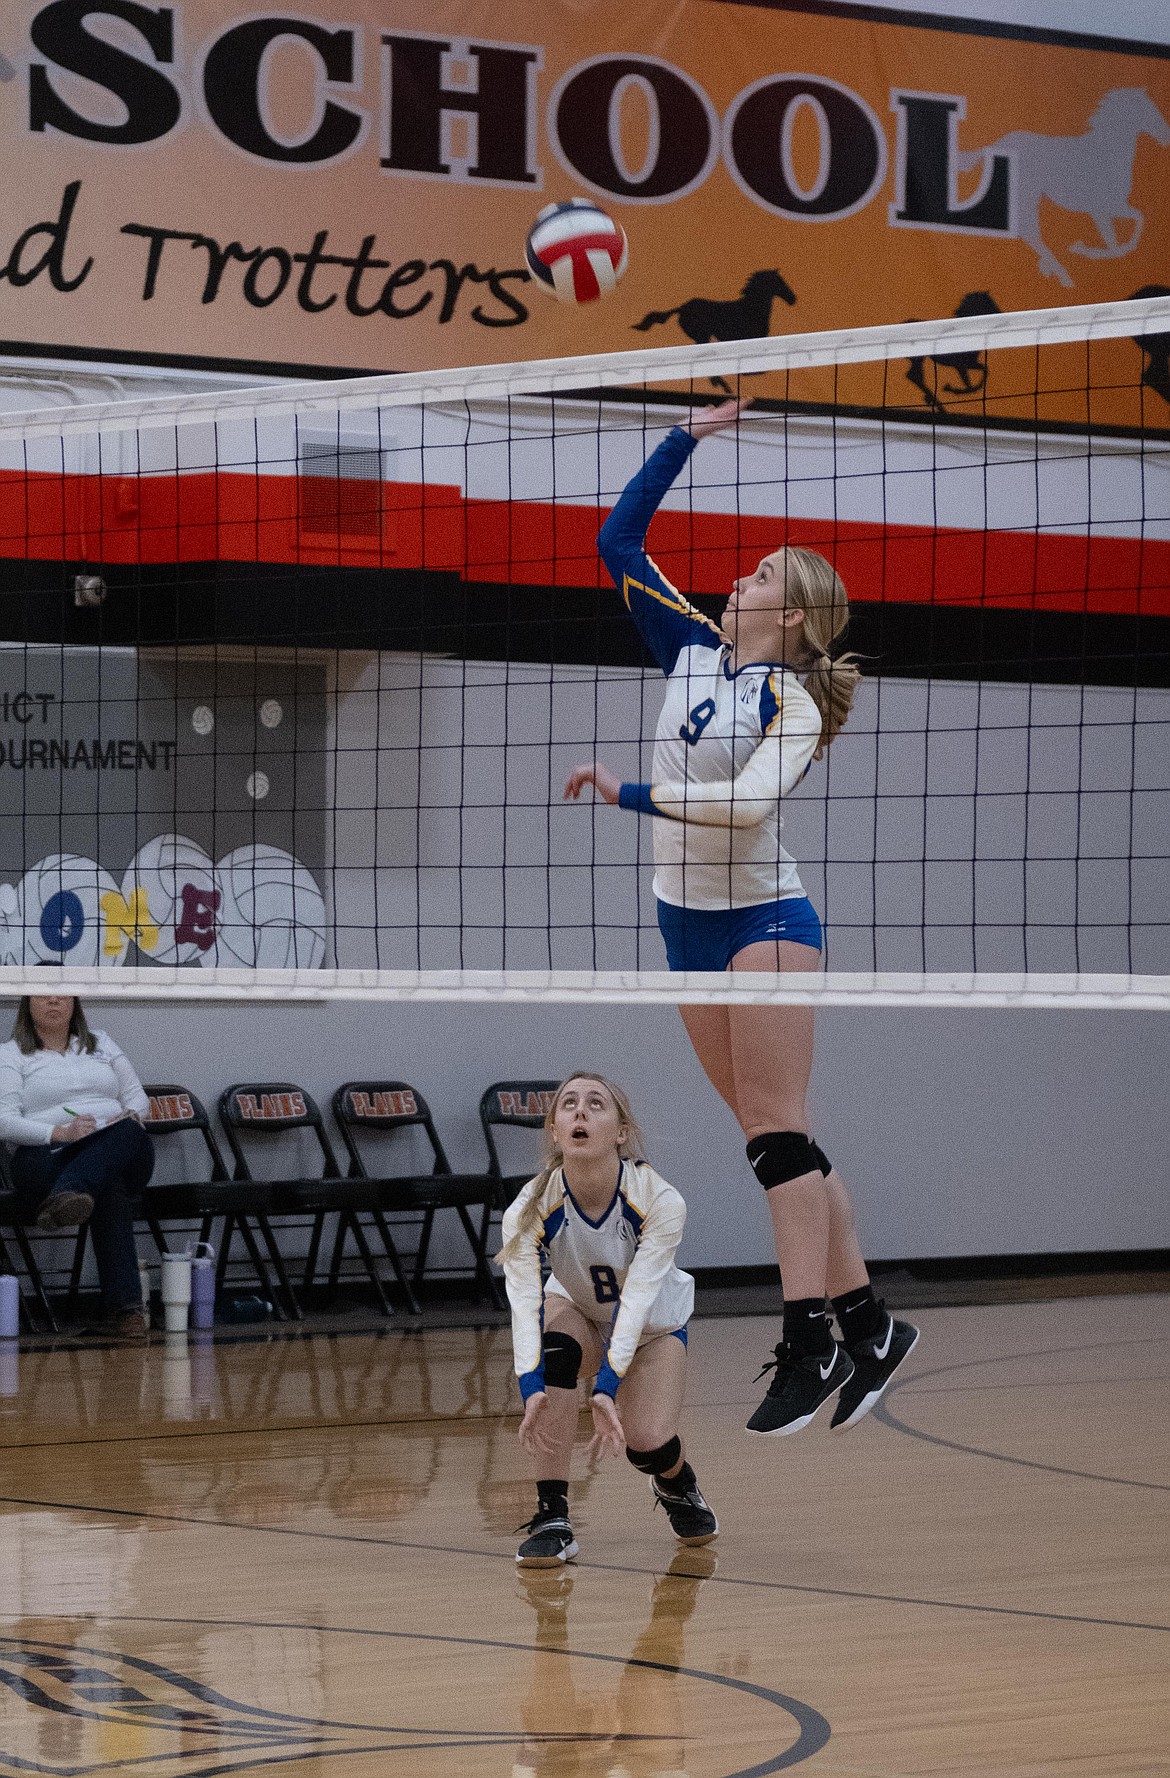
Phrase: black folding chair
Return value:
(394, 1105)
(176, 1112)
(10, 1220)
(267, 1109)
(514, 1104)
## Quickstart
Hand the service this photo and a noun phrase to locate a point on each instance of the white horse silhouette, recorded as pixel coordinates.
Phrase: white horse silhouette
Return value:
(1091, 173)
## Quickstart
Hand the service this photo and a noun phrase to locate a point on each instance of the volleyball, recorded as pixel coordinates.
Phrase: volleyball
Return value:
(60, 918)
(272, 914)
(178, 879)
(576, 252)
(11, 939)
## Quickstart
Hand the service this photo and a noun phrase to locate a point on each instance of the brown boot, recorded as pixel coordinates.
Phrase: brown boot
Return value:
(62, 1210)
(129, 1325)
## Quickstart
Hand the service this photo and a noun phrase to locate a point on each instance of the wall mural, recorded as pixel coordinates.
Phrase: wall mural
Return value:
(161, 811)
(259, 907)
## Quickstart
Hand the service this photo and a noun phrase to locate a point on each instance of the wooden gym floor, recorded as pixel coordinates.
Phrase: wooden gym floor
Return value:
(298, 1553)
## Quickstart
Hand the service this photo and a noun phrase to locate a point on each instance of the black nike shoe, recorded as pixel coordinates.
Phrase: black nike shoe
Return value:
(691, 1519)
(550, 1542)
(799, 1388)
(874, 1363)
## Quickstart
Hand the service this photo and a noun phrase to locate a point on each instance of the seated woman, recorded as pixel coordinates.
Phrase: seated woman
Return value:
(71, 1105)
(614, 1307)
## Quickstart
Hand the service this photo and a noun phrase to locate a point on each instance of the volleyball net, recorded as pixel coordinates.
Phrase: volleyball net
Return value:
(293, 677)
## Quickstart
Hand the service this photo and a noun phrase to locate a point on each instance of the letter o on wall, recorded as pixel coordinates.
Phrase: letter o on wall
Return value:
(62, 921)
(756, 139)
(584, 125)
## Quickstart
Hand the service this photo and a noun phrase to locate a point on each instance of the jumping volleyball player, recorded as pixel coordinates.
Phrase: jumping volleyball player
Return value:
(614, 1307)
(738, 731)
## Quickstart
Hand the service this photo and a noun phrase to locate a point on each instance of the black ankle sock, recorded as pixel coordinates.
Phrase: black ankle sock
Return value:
(806, 1327)
(680, 1482)
(553, 1498)
(859, 1314)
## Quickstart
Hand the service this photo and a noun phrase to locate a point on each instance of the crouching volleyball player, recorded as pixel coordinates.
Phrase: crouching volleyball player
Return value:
(613, 1307)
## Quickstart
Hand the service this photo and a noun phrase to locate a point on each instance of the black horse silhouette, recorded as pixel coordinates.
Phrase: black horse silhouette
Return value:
(747, 317)
(969, 367)
(1156, 347)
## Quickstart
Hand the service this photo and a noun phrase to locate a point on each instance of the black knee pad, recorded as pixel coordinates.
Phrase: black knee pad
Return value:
(656, 1462)
(782, 1155)
(562, 1360)
(821, 1158)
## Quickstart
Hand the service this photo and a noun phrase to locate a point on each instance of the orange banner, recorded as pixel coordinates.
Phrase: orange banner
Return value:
(206, 183)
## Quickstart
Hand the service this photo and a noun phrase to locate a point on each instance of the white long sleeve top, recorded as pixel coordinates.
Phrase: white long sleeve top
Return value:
(729, 746)
(35, 1090)
(619, 1271)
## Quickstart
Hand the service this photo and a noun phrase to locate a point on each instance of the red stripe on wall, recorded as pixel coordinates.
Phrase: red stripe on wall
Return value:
(199, 517)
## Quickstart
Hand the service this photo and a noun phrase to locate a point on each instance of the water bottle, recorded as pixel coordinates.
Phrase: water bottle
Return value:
(176, 1291)
(203, 1285)
(247, 1308)
(9, 1306)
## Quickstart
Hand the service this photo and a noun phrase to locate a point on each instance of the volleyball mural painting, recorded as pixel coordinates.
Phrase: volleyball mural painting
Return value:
(258, 908)
(165, 812)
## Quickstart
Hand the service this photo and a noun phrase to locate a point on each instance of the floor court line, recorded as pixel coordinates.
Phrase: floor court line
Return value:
(461, 1551)
(813, 1730)
(881, 1412)
(486, 1417)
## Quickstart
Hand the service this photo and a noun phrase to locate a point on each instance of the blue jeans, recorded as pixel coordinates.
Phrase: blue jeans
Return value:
(113, 1166)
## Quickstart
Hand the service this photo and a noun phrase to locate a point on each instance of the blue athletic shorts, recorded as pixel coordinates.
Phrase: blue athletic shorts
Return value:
(708, 938)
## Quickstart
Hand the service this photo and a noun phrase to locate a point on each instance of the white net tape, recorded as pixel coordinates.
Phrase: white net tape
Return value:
(1075, 479)
(857, 988)
(1030, 329)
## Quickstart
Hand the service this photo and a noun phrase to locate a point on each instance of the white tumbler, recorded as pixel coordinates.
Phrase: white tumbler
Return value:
(176, 1377)
(176, 1291)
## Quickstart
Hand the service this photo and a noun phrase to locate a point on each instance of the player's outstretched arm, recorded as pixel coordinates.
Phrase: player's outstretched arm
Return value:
(714, 419)
(667, 621)
(606, 783)
(774, 769)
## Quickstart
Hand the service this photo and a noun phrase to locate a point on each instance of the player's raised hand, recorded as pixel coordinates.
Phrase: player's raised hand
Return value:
(606, 783)
(608, 1438)
(714, 419)
(533, 1436)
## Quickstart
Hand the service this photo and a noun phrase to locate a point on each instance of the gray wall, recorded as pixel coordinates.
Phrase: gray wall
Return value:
(953, 826)
(960, 1132)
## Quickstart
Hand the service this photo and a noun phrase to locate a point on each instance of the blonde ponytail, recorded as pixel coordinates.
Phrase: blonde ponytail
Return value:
(832, 684)
(529, 1216)
(813, 586)
(632, 1148)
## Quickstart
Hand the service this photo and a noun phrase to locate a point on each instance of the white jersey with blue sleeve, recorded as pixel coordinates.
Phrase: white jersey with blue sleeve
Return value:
(728, 744)
(619, 1271)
